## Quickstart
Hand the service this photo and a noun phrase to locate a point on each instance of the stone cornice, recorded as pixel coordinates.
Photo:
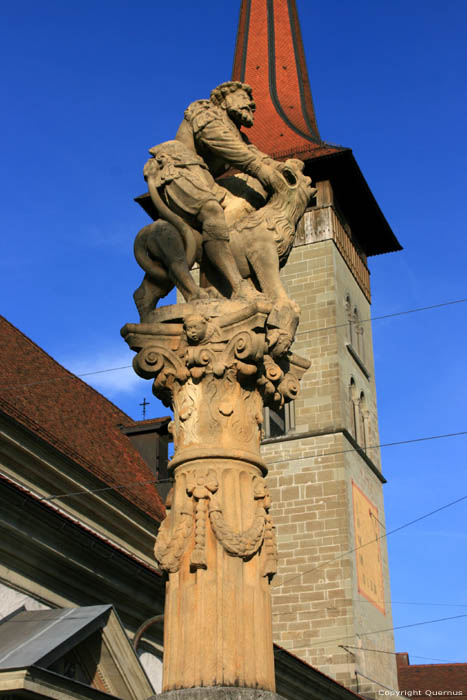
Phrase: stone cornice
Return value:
(76, 559)
(38, 466)
(329, 431)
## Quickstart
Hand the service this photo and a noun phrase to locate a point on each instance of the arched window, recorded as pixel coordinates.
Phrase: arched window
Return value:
(363, 436)
(354, 412)
(348, 308)
(358, 334)
(366, 422)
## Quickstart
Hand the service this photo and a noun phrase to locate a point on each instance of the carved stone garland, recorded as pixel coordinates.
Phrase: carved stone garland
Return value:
(210, 363)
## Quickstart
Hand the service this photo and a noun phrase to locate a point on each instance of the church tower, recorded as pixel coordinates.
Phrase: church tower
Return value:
(331, 601)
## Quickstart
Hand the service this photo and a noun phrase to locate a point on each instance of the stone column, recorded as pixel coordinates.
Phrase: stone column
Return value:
(217, 544)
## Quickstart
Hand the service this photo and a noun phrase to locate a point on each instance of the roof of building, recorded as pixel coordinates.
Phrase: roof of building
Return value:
(449, 678)
(72, 417)
(40, 637)
(269, 56)
(54, 653)
(298, 679)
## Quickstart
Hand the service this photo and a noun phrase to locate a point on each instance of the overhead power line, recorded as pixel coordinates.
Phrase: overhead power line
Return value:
(394, 653)
(317, 330)
(105, 488)
(321, 605)
(323, 641)
(357, 673)
(64, 379)
(372, 447)
(376, 539)
(386, 629)
(160, 481)
(379, 318)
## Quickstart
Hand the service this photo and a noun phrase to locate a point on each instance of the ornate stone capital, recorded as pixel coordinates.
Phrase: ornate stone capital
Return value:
(216, 363)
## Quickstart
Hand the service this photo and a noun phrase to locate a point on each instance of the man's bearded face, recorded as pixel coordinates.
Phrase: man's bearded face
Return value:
(240, 108)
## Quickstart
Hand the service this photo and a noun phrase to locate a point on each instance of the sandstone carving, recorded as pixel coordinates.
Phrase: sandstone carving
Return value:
(217, 359)
(260, 241)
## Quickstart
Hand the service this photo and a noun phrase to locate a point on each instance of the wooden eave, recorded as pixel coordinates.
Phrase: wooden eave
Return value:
(355, 199)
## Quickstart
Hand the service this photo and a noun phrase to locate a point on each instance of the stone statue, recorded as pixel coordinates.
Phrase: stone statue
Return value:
(181, 173)
(260, 242)
(216, 360)
(196, 211)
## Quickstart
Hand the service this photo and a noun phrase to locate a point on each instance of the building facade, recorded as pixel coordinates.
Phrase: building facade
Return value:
(81, 508)
(77, 476)
(332, 593)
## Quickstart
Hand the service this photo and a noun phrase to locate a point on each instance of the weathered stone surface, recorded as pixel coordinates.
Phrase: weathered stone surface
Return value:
(216, 361)
(200, 219)
(218, 693)
(216, 364)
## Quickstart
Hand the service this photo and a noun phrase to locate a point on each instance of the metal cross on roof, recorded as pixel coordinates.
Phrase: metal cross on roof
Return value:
(144, 403)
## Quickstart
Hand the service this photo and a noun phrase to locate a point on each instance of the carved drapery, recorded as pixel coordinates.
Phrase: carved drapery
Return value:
(216, 364)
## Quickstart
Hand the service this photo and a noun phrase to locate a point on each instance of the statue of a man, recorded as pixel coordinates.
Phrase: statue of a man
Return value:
(181, 173)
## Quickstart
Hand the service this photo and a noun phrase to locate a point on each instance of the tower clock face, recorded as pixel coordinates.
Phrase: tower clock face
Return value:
(368, 551)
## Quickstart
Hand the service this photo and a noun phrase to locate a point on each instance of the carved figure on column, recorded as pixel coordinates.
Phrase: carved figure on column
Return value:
(216, 360)
(200, 220)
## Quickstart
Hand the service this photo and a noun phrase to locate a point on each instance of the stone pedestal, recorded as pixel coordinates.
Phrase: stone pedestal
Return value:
(219, 693)
(210, 362)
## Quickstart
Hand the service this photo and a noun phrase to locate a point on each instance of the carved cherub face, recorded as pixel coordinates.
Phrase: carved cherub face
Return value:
(195, 328)
(240, 108)
(279, 343)
(283, 344)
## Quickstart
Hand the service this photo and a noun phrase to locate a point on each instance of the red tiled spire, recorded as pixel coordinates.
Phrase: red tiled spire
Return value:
(269, 56)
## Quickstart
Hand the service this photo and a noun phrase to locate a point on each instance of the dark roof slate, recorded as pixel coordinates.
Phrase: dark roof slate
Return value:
(40, 637)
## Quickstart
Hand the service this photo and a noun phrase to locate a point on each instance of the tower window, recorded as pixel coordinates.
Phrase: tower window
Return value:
(356, 335)
(279, 422)
(353, 401)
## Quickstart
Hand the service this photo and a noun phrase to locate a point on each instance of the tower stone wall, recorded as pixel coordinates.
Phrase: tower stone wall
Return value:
(325, 474)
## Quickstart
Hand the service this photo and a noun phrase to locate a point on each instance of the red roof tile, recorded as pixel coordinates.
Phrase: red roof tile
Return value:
(67, 413)
(450, 678)
(269, 56)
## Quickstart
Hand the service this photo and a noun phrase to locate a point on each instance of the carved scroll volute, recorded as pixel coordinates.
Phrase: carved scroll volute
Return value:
(215, 365)
(162, 364)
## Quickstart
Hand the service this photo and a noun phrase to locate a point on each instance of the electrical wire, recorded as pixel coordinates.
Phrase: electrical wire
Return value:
(376, 539)
(372, 447)
(104, 488)
(395, 653)
(64, 379)
(386, 629)
(386, 687)
(160, 481)
(317, 330)
(379, 318)
(344, 601)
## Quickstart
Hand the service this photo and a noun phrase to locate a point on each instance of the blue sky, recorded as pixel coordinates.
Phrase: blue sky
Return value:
(90, 86)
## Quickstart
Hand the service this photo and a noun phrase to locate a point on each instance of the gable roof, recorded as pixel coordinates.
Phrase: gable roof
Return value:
(72, 417)
(40, 637)
(93, 637)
